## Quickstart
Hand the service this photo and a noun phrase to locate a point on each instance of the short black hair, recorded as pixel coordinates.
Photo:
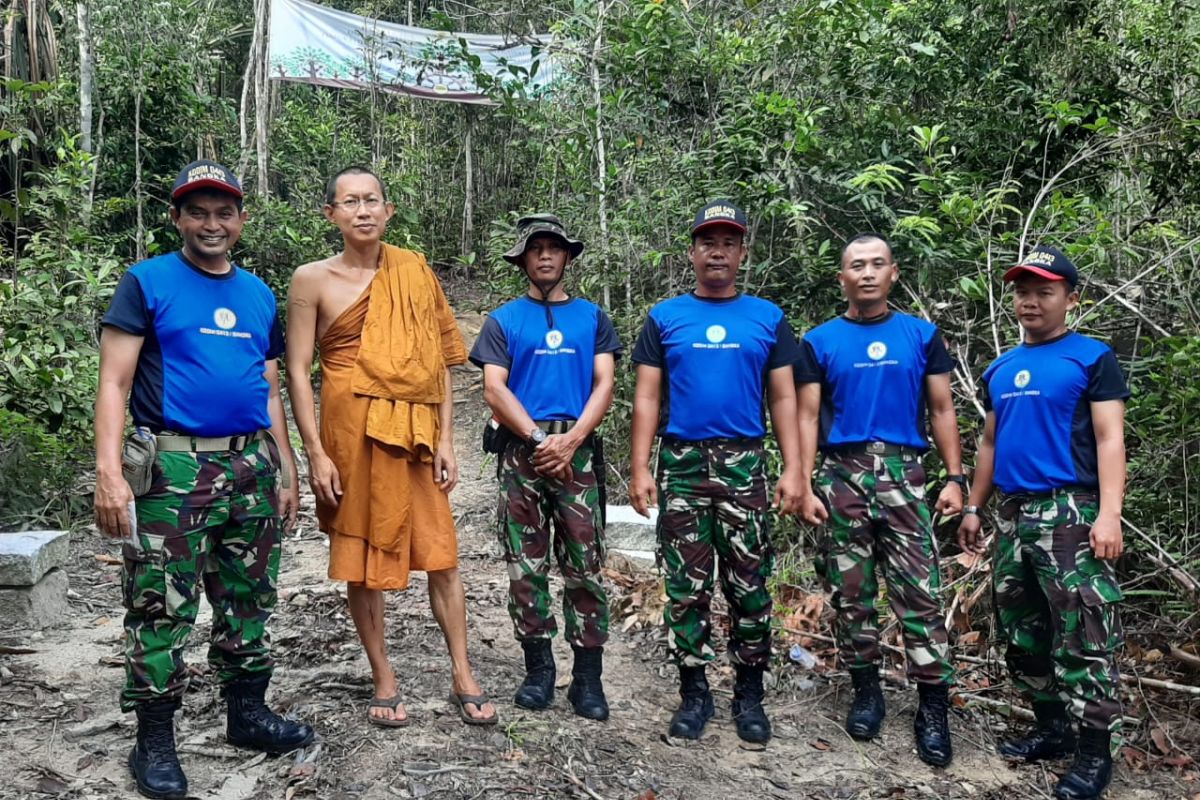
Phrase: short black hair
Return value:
(867, 236)
(179, 202)
(354, 169)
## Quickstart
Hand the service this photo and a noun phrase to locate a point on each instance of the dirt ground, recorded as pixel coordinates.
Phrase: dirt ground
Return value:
(63, 737)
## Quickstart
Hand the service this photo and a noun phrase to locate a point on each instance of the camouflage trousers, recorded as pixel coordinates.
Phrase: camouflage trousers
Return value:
(209, 523)
(713, 502)
(1056, 605)
(878, 518)
(529, 505)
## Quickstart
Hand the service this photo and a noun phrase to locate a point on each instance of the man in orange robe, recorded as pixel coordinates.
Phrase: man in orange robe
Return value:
(382, 462)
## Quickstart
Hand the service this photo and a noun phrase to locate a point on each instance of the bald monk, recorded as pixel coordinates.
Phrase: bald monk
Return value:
(382, 463)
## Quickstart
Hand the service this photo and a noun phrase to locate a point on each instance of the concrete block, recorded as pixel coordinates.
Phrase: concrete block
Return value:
(39, 606)
(26, 556)
(629, 533)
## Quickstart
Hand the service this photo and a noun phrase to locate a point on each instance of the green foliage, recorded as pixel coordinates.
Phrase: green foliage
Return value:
(37, 470)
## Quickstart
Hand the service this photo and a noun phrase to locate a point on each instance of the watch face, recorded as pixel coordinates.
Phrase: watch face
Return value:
(538, 435)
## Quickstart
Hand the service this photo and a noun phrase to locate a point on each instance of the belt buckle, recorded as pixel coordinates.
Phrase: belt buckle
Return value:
(876, 448)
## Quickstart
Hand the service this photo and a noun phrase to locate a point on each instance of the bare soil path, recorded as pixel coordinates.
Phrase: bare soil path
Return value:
(63, 737)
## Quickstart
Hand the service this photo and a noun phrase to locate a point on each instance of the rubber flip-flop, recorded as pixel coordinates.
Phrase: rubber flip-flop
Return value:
(477, 700)
(390, 703)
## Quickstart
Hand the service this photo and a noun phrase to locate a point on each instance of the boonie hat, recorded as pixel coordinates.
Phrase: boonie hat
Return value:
(534, 224)
(1045, 262)
(719, 212)
(206, 175)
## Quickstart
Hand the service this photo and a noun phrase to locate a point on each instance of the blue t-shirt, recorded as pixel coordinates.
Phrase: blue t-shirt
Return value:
(716, 353)
(206, 340)
(550, 369)
(872, 377)
(1041, 395)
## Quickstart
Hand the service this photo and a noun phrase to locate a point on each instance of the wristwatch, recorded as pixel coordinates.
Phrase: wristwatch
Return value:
(961, 480)
(537, 436)
(970, 510)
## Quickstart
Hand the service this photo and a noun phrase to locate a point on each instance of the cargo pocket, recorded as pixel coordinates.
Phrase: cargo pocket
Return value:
(143, 581)
(914, 478)
(1101, 631)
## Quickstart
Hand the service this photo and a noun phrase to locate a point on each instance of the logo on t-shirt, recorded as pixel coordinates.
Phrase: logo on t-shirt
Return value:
(1021, 380)
(876, 350)
(224, 318)
(554, 339)
(715, 334)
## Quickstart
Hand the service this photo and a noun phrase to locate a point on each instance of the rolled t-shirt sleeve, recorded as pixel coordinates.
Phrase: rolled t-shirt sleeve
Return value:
(607, 340)
(128, 310)
(492, 346)
(1106, 381)
(649, 349)
(785, 351)
(937, 358)
(807, 368)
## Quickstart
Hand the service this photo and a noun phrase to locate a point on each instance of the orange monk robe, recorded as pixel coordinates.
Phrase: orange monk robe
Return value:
(383, 364)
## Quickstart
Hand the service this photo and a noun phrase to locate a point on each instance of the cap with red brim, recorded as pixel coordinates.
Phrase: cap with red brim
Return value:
(1045, 262)
(719, 212)
(206, 175)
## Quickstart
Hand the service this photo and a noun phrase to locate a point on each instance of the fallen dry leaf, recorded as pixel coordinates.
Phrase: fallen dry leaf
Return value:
(819, 744)
(105, 558)
(1159, 737)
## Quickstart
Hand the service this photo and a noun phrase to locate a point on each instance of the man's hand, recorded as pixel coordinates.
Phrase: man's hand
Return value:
(445, 467)
(789, 491)
(969, 538)
(556, 452)
(111, 504)
(324, 479)
(811, 509)
(643, 492)
(289, 506)
(1106, 537)
(950, 500)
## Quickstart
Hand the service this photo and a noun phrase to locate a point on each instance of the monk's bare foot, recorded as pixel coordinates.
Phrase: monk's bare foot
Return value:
(386, 689)
(467, 685)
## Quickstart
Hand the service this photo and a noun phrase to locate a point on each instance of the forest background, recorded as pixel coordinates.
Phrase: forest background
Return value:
(965, 131)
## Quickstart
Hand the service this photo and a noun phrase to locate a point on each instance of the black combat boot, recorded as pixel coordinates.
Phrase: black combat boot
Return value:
(250, 723)
(586, 692)
(748, 714)
(1092, 770)
(867, 709)
(696, 706)
(931, 726)
(1052, 738)
(537, 691)
(153, 761)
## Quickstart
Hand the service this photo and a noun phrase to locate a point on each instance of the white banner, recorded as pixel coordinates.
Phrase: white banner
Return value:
(309, 43)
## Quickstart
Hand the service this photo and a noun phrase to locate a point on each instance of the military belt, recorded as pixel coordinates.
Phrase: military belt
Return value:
(748, 442)
(556, 425)
(873, 449)
(182, 443)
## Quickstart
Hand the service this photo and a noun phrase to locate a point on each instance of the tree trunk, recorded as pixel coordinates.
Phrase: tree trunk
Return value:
(87, 75)
(601, 159)
(249, 84)
(468, 228)
(262, 100)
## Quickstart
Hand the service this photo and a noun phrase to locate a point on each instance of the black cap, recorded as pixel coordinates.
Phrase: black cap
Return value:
(206, 175)
(722, 212)
(530, 226)
(1045, 262)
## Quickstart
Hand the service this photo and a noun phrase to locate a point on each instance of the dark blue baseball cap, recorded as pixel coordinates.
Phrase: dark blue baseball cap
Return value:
(719, 212)
(1045, 262)
(206, 175)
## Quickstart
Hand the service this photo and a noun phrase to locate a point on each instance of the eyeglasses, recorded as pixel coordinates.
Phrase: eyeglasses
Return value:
(353, 203)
